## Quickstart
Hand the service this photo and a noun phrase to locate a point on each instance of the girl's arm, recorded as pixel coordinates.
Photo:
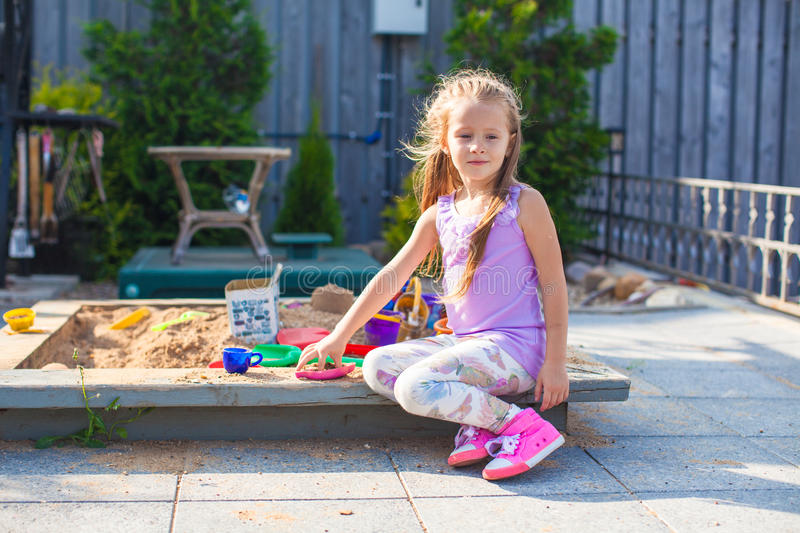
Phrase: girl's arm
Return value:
(378, 291)
(552, 383)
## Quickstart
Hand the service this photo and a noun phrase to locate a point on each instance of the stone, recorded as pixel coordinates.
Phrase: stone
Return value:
(332, 299)
(55, 366)
(576, 271)
(627, 285)
(606, 283)
(593, 277)
(666, 297)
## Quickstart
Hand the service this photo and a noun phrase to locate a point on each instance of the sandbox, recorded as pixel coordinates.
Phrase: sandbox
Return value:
(196, 402)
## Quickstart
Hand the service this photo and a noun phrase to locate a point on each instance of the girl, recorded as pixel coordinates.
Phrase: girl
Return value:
(498, 242)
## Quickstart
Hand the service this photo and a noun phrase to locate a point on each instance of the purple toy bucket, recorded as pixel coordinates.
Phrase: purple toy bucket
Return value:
(380, 332)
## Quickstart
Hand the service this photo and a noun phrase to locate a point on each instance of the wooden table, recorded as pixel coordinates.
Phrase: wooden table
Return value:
(192, 219)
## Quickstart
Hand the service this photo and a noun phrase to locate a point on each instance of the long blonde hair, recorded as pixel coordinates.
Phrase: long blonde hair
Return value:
(435, 175)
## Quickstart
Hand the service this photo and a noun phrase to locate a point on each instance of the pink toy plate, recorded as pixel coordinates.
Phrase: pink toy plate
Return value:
(331, 373)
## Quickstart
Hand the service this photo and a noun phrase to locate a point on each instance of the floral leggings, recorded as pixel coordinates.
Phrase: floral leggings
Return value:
(447, 377)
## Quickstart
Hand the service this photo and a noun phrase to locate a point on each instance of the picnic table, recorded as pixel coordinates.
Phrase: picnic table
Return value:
(192, 219)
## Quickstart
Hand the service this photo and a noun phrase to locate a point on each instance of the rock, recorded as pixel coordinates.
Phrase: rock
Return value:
(666, 297)
(627, 285)
(607, 282)
(591, 281)
(576, 271)
(55, 366)
(332, 298)
(647, 286)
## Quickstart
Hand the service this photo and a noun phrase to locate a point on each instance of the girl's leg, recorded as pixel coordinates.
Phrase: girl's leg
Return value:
(384, 364)
(461, 384)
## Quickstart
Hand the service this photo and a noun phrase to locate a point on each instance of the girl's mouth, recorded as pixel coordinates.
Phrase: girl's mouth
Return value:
(478, 163)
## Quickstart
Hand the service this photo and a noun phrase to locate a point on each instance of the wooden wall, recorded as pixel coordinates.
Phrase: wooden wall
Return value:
(702, 88)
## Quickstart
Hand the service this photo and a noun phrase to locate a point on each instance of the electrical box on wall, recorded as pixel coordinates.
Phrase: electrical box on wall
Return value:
(405, 17)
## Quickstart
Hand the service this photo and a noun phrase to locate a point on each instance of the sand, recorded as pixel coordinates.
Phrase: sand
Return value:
(190, 344)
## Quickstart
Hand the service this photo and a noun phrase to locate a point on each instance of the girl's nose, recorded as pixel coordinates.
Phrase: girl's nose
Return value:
(476, 147)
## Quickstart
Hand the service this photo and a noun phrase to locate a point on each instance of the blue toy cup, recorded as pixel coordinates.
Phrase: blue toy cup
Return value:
(238, 360)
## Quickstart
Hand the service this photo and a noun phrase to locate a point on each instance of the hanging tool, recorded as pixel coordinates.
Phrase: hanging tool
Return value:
(35, 177)
(48, 225)
(19, 245)
(94, 143)
(66, 203)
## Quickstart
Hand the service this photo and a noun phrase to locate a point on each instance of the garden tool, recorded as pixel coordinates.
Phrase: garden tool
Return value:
(48, 225)
(34, 177)
(19, 245)
(94, 144)
(67, 199)
(188, 315)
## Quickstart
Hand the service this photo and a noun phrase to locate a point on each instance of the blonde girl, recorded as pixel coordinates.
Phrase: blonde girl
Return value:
(506, 296)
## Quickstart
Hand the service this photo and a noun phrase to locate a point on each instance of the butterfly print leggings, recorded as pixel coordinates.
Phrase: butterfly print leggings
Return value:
(447, 377)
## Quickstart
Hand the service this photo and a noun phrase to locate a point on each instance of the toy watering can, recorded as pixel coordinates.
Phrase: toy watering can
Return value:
(414, 309)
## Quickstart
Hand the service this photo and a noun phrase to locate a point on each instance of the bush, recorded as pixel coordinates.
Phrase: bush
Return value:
(309, 204)
(193, 78)
(533, 44)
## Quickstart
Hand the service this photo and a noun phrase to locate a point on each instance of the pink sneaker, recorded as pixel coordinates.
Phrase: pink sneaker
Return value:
(521, 445)
(470, 446)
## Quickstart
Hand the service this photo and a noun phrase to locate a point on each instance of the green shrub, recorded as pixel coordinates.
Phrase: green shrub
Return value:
(534, 45)
(193, 78)
(309, 205)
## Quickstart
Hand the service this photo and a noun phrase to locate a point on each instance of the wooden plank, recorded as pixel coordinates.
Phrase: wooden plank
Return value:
(791, 164)
(769, 125)
(357, 115)
(693, 97)
(719, 91)
(47, 40)
(610, 105)
(746, 84)
(77, 14)
(266, 387)
(637, 124)
(666, 89)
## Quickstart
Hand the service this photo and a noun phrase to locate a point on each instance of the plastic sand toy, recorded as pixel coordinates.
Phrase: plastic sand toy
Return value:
(20, 320)
(328, 373)
(188, 315)
(131, 319)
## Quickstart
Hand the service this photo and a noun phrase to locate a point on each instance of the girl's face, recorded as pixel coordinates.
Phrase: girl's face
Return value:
(478, 140)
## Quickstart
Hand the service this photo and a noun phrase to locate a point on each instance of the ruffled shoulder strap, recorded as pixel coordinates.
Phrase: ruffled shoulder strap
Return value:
(510, 211)
(444, 210)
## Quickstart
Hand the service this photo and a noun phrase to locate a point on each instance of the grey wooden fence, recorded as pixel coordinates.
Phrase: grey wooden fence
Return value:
(701, 88)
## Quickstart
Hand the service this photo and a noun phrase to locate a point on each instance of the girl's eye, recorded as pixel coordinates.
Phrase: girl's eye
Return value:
(465, 135)
(492, 137)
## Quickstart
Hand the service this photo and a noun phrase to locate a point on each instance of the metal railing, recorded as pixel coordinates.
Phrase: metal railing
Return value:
(738, 238)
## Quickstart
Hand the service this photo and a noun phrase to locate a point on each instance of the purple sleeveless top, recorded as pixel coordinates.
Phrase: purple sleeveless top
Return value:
(502, 303)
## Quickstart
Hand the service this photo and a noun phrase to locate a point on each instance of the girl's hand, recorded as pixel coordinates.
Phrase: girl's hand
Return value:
(332, 346)
(552, 385)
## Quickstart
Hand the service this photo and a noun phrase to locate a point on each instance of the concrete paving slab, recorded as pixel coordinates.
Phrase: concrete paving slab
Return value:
(753, 417)
(297, 516)
(584, 512)
(87, 488)
(710, 382)
(273, 471)
(751, 510)
(677, 354)
(568, 470)
(734, 335)
(642, 416)
(117, 517)
(670, 464)
(787, 448)
(76, 474)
